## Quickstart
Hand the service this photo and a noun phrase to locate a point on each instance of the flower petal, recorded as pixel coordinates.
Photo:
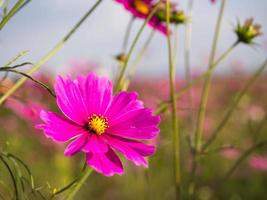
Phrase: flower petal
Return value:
(107, 163)
(70, 100)
(137, 124)
(96, 92)
(76, 146)
(59, 128)
(122, 103)
(133, 150)
(95, 144)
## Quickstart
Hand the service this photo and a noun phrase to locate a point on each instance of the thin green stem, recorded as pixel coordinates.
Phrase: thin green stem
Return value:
(125, 64)
(141, 54)
(203, 103)
(187, 59)
(79, 184)
(206, 87)
(175, 131)
(127, 34)
(20, 4)
(12, 176)
(164, 105)
(32, 79)
(234, 104)
(229, 173)
(50, 54)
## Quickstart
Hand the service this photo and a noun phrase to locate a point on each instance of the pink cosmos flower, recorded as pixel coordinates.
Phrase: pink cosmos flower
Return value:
(141, 9)
(26, 110)
(230, 153)
(258, 163)
(97, 123)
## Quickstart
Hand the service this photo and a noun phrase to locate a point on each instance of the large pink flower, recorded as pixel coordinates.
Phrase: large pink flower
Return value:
(97, 123)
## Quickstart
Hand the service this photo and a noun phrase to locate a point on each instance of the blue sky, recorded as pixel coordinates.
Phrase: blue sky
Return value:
(41, 24)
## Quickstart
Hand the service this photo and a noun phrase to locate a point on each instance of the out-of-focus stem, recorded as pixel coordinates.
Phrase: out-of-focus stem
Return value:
(187, 54)
(79, 183)
(175, 131)
(203, 103)
(233, 106)
(164, 105)
(20, 4)
(241, 158)
(206, 87)
(141, 54)
(125, 64)
(127, 34)
(50, 54)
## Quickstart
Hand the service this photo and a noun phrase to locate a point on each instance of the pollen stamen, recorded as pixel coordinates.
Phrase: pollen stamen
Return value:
(97, 124)
(141, 6)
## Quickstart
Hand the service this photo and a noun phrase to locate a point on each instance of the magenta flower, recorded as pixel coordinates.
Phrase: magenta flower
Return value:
(97, 123)
(258, 162)
(142, 9)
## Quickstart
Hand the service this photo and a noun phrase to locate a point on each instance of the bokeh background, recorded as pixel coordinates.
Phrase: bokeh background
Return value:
(41, 24)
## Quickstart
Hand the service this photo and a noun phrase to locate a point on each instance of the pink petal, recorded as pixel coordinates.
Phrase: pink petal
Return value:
(157, 25)
(107, 163)
(76, 146)
(70, 100)
(95, 144)
(122, 103)
(137, 124)
(59, 128)
(133, 150)
(96, 92)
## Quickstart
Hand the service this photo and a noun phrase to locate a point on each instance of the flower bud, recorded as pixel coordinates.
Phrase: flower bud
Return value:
(248, 31)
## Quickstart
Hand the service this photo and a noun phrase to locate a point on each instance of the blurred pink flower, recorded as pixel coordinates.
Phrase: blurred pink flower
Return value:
(97, 123)
(255, 113)
(258, 162)
(28, 111)
(142, 9)
(230, 153)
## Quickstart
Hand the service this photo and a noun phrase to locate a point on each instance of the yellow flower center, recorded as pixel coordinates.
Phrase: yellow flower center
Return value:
(97, 124)
(141, 6)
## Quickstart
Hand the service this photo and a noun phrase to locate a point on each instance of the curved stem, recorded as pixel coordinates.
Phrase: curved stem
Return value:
(203, 103)
(234, 105)
(125, 64)
(206, 88)
(175, 131)
(141, 54)
(50, 54)
(79, 184)
(127, 34)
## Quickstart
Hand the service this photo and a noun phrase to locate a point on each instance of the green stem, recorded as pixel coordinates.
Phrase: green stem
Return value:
(125, 64)
(12, 12)
(206, 87)
(187, 58)
(164, 105)
(141, 54)
(203, 104)
(175, 131)
(127, 34)
(50, 54)
(79, 184)
(229, 173)
(233, 106)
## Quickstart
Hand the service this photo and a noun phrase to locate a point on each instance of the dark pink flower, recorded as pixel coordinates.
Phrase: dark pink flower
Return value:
(258, 163)
(142, 9)
(97, 123)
